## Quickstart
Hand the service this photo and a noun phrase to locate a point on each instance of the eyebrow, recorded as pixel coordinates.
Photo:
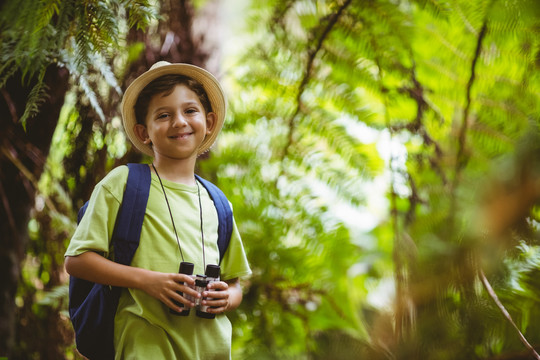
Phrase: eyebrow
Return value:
(159, 109)
(191, 103)
(187, 103)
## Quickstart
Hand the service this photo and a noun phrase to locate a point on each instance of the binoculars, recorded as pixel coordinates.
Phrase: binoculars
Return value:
(201, 282)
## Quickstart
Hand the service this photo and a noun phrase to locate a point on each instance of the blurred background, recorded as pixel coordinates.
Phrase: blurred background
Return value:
(382, 157)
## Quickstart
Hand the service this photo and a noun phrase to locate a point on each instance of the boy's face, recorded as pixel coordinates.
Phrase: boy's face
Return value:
(176, 124)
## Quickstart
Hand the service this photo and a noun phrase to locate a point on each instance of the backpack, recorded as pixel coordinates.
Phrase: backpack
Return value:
(92, 306)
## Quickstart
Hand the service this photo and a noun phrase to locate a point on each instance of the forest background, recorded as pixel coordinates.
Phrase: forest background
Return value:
(382, 156)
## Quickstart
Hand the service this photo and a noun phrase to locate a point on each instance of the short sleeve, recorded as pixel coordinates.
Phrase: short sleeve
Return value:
(95, 230)
(235, 263)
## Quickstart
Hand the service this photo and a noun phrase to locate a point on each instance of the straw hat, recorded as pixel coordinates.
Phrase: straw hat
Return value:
(208, 81)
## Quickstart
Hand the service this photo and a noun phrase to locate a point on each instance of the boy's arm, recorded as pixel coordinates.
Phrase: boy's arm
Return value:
(163, 286)
(235, 294)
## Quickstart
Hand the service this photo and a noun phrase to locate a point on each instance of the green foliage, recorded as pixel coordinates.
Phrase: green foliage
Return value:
(454, 88)
(84, 37)
(381, 157)
(78, 35)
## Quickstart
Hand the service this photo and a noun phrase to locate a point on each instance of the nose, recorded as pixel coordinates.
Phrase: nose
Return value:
(178, 120)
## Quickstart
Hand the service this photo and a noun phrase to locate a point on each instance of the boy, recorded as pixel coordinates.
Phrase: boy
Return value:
(173, 112)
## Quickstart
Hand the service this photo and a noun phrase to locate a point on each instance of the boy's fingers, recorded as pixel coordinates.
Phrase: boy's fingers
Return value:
(187, 290)
(215, 294)
(218, 285)
(215, 303)
(175, 296)
(216, 307)
(184, 278)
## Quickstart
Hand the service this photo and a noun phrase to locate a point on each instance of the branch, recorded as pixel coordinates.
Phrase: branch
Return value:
(283, 297)
(460, 161)
(416, 126)
(460, 156)
(29, 176)
(11, 105)
(506, 314)
(9, 213)
(312, 54)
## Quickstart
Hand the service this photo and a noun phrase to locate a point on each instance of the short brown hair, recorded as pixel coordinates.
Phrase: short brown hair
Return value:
(165, 85)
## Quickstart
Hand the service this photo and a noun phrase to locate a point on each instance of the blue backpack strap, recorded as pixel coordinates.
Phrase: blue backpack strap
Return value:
(92, 307)
(224, 212)
(127, 232)
(127, 229)
(81, 212)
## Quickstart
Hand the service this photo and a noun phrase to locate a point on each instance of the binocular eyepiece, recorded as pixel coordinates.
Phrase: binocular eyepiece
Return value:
(201, 282)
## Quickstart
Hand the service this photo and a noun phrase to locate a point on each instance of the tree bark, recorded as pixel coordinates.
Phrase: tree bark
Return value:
(22, 157)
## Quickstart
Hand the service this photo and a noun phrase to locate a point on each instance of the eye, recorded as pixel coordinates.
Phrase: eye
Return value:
(191, 111)
(162, 116)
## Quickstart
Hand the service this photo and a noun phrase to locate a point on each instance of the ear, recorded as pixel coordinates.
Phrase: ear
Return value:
(211, 118)
(142, 134)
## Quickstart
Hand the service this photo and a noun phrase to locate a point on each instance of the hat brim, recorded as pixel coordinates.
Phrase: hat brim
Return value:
(206, 79)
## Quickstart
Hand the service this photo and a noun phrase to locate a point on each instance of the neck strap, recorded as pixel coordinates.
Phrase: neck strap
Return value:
(172, 219)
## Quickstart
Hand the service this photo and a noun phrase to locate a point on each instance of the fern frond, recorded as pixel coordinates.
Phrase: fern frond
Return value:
(140, 13)
(92, 97)
(36, 97)
(7, 69)
(49, 9)
(56, 297)
(106, 71)
(438, 8)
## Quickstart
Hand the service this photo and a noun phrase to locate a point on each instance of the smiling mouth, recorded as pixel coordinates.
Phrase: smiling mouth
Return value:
(180, 136)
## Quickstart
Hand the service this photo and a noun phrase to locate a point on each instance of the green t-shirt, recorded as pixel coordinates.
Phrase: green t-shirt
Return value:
(144, 328)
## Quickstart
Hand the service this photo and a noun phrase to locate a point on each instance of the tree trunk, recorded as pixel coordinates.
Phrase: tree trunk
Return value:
(22, 158)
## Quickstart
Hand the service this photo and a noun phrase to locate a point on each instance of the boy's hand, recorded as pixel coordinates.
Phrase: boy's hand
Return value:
(164, 287)
(217, 297)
